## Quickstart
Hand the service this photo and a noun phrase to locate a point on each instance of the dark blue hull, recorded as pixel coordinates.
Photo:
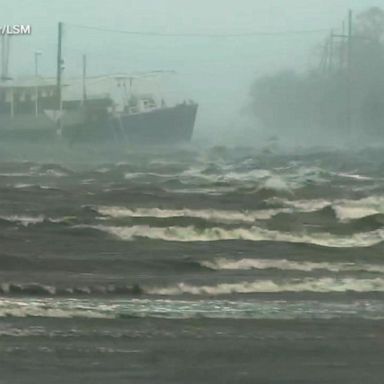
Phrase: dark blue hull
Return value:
(160, 126)
(167, 125)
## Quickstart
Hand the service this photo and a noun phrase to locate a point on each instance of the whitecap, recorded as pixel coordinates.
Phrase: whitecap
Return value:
(47, 308)
(323, 285)
(278, 184)
(192, 234)
(288, 265)
(206, 214)
(176, 309)
(345, 209)
(355, 209)
(24, 220)
(354, 176)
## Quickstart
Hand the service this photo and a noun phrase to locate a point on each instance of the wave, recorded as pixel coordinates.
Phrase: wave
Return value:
(345, 209)
(43, 308)
(214, 174)
(222, 216)
(24, 220)
(288, 265)
(278, 184)
(302, 205)
(354, 176)
(35, 289)
(22, 185)
(324, 285)
(321, 285)
(283, 179)
(206, 214)
(371, 222)
(193, 234)
(280, 179)
(16, 174)
(32, 187)
(177, 309)
(32, 220)
(40, 170)
(148, 175)
(52, 170)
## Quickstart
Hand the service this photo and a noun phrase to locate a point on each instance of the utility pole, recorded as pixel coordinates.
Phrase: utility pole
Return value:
(342, 50)
(84, 79)
(37, 54)
(5, 45)
(326, 57)
(350, 38)
(59, 72)
(349, 74)
(331, 50)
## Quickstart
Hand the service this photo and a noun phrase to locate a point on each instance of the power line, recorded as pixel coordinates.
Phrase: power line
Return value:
(214, 35)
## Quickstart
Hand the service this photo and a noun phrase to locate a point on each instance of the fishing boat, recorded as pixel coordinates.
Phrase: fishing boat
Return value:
(38, 109)
(134, 117)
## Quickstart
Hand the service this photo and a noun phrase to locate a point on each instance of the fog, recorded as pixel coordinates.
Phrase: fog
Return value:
(218, 72)
(340, 99)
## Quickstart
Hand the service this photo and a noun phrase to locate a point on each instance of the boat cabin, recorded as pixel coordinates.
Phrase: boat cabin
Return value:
(142, 103)
(27, 98)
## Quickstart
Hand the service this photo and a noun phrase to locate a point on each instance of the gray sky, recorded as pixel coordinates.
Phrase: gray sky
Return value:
(215, 72)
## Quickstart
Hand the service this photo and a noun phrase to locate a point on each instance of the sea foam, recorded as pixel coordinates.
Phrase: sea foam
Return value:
(254, 233)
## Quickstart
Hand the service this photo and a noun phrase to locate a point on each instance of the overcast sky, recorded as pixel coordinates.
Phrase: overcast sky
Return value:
(216, 72)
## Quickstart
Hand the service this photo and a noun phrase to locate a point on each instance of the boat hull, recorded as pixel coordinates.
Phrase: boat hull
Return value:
(28, 128)
(160, 126)
(163, 126)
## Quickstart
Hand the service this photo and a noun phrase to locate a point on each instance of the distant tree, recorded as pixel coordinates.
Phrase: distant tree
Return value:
(290, 103)
(276, 99)
(370, 24)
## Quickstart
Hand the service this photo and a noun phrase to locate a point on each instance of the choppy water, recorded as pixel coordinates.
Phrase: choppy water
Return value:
(169, 267)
